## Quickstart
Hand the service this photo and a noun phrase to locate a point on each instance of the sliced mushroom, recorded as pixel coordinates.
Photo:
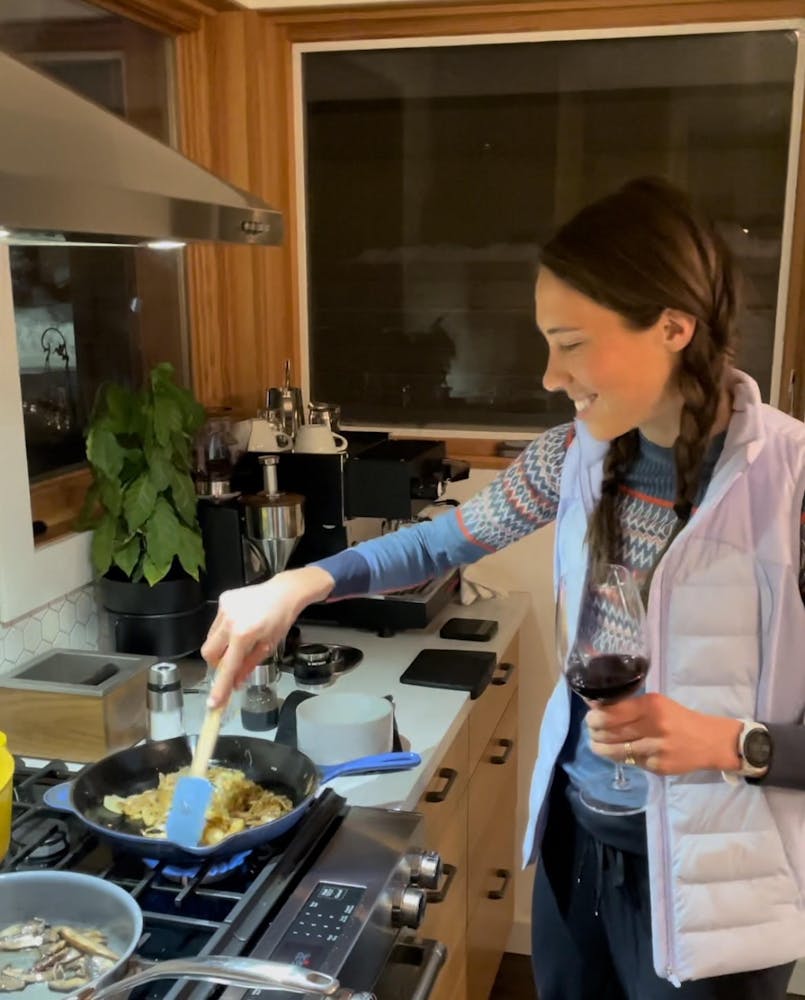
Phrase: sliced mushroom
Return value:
(85, 943)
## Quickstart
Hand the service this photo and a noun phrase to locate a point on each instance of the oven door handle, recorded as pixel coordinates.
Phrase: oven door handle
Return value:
(435, 954)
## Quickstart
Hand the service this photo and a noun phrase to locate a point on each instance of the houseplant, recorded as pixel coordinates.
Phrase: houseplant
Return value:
(147, 550)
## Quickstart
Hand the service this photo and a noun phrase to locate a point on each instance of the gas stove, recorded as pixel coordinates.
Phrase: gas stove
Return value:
(342, 892)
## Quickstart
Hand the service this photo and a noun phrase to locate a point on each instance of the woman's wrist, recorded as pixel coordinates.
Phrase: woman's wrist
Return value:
(310, 584)
(725, 734)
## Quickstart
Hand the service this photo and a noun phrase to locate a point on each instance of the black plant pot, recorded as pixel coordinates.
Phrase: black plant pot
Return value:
(167, 620)
(173, 595)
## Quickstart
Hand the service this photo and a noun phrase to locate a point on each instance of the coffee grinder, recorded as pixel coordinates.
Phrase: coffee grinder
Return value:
(273, 525)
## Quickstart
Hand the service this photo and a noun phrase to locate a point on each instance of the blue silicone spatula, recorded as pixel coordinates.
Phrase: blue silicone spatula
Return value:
(194, 791)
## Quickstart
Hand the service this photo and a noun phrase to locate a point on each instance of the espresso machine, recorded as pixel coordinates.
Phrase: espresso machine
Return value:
(377, 485)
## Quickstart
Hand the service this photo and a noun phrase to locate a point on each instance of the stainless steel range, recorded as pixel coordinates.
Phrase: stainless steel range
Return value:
(343, 893)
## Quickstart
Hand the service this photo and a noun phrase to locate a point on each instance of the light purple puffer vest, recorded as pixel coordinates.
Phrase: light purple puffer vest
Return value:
(727, 630)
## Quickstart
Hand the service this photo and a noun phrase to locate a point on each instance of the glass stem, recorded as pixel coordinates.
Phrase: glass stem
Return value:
(620, 781)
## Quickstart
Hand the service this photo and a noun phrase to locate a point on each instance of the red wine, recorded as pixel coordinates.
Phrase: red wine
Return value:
(606, 677)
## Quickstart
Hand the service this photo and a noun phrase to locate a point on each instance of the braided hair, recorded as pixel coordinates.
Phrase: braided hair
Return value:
(638, 252)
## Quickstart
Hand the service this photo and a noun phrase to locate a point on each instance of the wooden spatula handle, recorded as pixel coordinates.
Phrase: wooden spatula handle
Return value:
(207, 739)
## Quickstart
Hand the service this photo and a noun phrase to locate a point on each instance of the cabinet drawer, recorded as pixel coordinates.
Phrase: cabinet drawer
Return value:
(492, 805)
(445, 790)
(487, 710)
(493, 788)
(446, 921)
(486, 941)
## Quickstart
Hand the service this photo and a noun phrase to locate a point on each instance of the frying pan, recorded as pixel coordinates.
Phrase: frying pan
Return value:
(275, 766)
(85, 902)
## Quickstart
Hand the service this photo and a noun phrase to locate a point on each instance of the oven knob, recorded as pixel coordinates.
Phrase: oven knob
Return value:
(409, 908)
(426, 868)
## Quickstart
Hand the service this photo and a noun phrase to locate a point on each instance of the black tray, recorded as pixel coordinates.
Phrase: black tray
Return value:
(458, 669)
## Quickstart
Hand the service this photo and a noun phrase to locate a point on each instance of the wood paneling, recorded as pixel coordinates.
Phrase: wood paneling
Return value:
(233, 82)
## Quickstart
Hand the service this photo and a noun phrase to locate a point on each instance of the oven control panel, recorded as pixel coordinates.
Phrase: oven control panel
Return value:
(320, 924)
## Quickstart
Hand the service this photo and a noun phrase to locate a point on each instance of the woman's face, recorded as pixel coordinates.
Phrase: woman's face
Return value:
(619, 378)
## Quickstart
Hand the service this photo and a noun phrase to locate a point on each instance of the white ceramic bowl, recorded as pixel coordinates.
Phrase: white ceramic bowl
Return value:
(333, 727)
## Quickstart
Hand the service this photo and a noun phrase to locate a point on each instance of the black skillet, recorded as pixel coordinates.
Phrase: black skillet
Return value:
(277, 767)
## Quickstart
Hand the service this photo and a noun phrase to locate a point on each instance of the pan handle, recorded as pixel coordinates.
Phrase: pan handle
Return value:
(58, 797)
(398, 761)
(227, 971)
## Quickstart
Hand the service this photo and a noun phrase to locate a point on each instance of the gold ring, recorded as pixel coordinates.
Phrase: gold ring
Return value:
(629, 757)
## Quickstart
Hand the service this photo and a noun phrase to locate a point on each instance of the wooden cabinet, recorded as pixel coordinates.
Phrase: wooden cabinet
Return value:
(469, 811)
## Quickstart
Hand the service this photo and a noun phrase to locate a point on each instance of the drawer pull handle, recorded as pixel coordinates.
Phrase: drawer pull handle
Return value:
(501, 758)
(449, 774)
(506, 671)
(440, 895)
(506, 875)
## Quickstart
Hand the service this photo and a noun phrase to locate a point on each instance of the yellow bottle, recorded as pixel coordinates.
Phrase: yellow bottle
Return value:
(6, 783)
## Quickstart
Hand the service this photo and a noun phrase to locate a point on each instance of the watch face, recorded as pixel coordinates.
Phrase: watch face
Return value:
(757, 748)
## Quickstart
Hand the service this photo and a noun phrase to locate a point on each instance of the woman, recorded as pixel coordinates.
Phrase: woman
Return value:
(676, 469)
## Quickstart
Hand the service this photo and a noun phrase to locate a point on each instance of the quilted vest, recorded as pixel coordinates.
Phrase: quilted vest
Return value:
(727, 633)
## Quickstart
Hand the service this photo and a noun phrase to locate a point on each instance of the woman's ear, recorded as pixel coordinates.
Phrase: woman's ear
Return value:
(677, 329)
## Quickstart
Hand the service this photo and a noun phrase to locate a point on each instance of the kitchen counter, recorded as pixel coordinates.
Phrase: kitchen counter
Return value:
(427, 718)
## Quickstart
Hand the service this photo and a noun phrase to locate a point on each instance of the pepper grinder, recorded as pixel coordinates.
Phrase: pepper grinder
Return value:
(165, 702)
(260, 708)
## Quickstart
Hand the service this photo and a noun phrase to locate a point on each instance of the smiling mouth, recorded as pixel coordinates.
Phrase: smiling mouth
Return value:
(585, 403)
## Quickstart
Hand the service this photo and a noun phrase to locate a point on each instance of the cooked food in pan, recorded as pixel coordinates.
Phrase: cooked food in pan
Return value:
(237, 804)
(65, 958)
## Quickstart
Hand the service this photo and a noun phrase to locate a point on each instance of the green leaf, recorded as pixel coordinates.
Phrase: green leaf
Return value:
(154, 572)
(127, 556)
(190, 551)
(119, 403)
(103, 451)
(161, 531)
(184, 496)
(103, 543)
(161, 375)
(160, 467)
(88, 517)
(139, 502)
(167, 419)
(111, 495)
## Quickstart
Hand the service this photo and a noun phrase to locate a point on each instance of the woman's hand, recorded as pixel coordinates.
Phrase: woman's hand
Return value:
(251, 621)
(663, 736)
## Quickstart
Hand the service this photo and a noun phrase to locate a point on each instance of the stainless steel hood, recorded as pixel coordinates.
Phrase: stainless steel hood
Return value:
(70, 171)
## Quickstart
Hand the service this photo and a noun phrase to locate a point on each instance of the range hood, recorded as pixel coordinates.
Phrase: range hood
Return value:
(72, 172)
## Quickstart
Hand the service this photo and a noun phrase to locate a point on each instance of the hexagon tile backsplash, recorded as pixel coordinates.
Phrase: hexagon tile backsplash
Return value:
(72, 622)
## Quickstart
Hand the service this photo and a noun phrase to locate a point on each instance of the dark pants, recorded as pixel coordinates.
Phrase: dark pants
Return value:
(591, 927)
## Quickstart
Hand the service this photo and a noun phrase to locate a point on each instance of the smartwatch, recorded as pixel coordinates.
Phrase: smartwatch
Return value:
(754, 749)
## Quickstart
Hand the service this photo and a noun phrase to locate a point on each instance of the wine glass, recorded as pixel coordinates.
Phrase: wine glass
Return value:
(607, 660)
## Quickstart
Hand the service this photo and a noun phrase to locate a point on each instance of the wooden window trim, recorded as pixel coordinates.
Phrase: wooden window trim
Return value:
(171, 17)
(57, 501)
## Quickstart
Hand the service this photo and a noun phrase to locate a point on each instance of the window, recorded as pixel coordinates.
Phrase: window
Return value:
(86, 315)
(434, 173)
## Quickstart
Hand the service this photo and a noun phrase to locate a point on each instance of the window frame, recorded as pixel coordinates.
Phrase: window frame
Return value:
(782, 394)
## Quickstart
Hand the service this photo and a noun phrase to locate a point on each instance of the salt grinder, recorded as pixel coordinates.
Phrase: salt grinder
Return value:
(165, 702)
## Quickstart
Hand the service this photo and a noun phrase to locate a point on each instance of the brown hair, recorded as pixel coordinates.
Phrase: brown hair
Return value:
(639, 251)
